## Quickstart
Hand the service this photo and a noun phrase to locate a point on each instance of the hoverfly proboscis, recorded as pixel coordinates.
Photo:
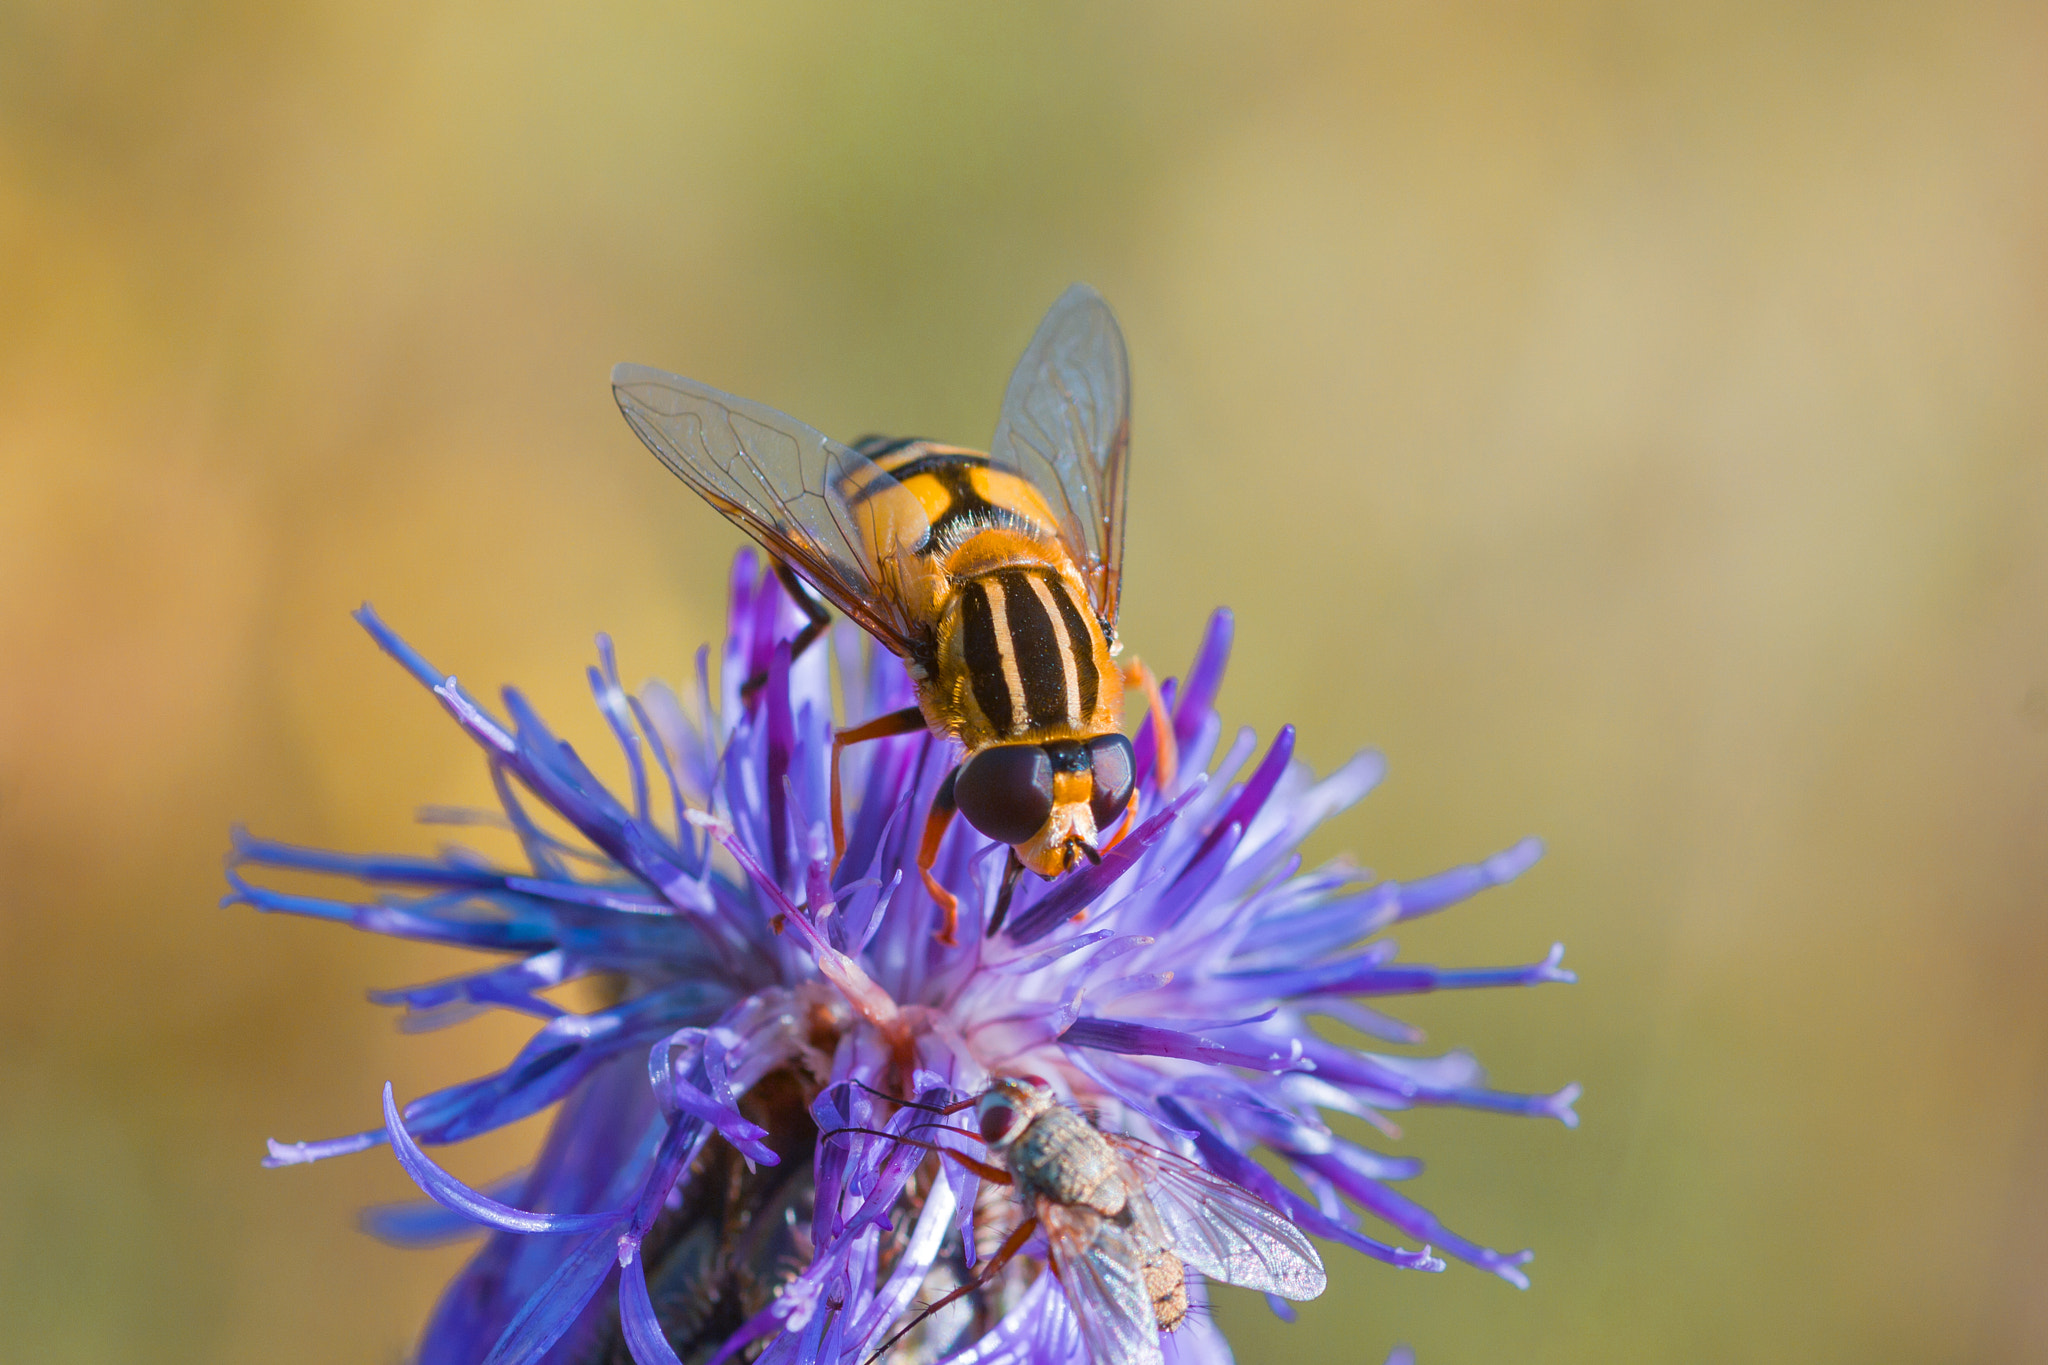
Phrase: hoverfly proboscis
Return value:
(995, 577)
(1123, 1221)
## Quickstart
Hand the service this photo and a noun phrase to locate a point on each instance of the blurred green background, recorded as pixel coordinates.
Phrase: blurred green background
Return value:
(1630, 417)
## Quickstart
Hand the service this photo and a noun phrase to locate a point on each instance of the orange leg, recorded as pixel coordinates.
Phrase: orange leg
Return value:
(957, 1107)
(902, 722)
(935, 825)
(995, 1175)
(1012, 1244)
(1168, 763)
(1131, 818)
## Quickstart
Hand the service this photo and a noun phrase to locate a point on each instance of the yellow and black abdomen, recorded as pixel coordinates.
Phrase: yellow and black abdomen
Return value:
(1028, 657)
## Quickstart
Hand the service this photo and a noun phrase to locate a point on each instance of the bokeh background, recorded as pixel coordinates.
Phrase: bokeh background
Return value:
(1630, 417)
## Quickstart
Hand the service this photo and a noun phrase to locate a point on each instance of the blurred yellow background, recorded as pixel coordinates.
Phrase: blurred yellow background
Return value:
(1630, 417)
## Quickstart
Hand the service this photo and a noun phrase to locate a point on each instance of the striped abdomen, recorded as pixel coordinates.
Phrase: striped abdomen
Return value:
(1033, 655)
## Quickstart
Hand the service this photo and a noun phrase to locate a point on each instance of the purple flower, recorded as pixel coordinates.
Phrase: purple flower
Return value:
(684, 1205)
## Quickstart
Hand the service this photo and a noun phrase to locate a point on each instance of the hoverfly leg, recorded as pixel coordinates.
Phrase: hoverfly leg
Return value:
(1130, 821)
(813, 606)
(993, 1174)
(935, 824)
(1011, 871)
(954, 1108)
(1012, 1244)
(903, 722)
(1167, 765)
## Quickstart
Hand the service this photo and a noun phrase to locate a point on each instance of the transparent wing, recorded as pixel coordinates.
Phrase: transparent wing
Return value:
(1220, 1228)
(1098, 1265)
(823, 508)
(1066, 426)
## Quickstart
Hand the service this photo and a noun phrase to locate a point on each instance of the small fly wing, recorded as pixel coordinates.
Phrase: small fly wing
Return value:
(1221, 1229)
(1066, 426)
(823, 508)
(1099, 1269)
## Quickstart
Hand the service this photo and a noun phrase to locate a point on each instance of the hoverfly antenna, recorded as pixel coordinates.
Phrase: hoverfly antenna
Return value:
(1088, 850)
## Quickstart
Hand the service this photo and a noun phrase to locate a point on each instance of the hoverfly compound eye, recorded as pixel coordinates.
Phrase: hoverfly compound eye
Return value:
(1006, 792)
(1114, 770)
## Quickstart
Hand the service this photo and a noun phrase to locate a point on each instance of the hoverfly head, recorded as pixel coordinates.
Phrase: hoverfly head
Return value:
(1048, 801)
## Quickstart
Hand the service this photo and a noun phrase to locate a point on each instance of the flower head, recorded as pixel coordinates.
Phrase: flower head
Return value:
(702, 1194)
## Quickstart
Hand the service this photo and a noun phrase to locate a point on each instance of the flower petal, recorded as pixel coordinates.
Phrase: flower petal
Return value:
(474, 1204)
(1079, 889)
(642, 1330)
(1205, 676)
(552, 1311)
(1148, 1040)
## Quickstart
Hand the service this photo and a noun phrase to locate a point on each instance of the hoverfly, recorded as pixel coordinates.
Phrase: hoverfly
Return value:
(995, 577)
(1123, 1222)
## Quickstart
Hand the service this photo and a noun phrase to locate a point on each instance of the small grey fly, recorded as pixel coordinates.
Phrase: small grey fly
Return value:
(1123, 1222)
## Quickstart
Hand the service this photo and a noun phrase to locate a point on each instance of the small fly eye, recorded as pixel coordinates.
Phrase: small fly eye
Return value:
(995, 1121)
(1114, 768)
(1006, 792)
